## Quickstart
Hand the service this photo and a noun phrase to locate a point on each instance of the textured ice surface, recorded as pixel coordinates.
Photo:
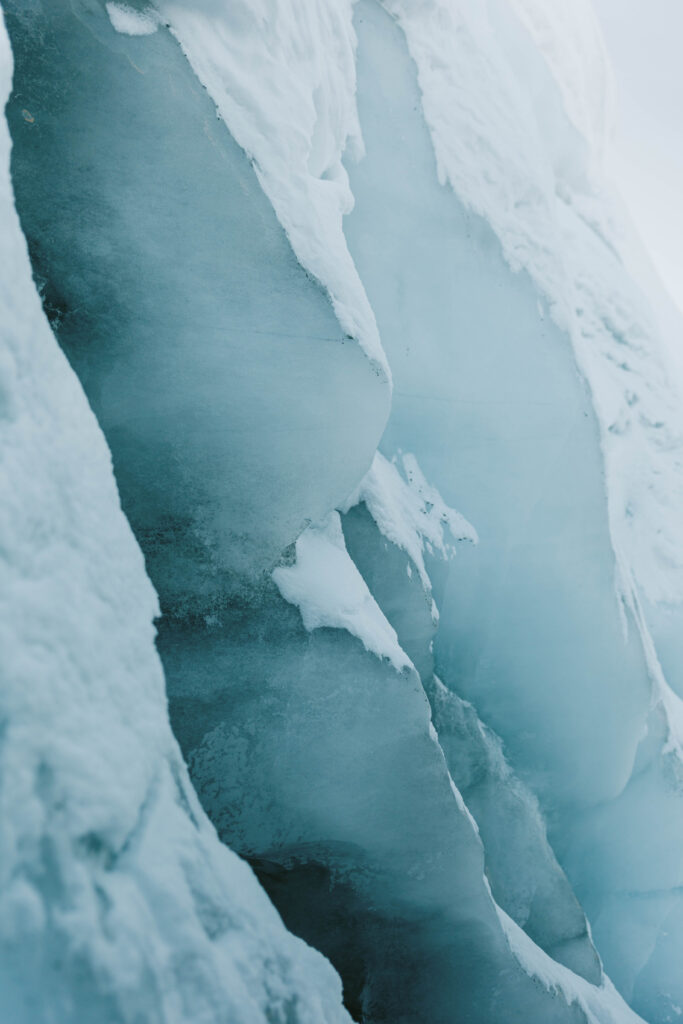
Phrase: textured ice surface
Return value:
(182, 191)
(516, 111)
(117, 901)
(488, 397)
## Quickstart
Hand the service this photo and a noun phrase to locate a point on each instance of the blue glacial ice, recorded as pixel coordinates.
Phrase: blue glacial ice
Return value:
(345, 300)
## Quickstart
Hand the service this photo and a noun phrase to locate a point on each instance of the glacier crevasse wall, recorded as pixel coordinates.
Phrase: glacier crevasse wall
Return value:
(117, 900)
(221, 299)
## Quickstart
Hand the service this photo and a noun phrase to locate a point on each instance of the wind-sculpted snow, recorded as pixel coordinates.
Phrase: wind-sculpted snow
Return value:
(329, 591)
(117, 901)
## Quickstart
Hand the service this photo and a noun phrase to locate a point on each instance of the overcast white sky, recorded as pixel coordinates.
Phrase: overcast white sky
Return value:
(645, 41)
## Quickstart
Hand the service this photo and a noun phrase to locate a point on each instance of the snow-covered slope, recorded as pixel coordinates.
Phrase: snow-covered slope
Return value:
(117, 900)
(456, 775)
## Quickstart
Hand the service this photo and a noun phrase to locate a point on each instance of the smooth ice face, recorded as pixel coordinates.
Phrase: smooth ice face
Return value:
(179, 302)
(316, 760)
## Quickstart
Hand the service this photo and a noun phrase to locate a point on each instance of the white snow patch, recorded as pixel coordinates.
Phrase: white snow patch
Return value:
(130, 22)
(410, 512)
(329, 591)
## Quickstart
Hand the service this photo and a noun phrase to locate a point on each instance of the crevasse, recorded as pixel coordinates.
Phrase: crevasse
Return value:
(458, 778)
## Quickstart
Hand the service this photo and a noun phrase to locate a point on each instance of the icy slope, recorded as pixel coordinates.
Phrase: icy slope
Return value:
(117, 901)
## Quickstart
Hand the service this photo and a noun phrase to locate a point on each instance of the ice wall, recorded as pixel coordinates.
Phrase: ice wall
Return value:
(167, 232)
(488, 396)
(438, 837)
(117, 900)
(313, 756)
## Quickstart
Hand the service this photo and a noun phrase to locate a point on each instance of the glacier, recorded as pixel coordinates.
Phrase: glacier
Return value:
(341, 549)
(118, 902)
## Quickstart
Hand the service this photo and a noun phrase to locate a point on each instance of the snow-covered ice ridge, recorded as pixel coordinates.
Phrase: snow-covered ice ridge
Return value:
(323, 274)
